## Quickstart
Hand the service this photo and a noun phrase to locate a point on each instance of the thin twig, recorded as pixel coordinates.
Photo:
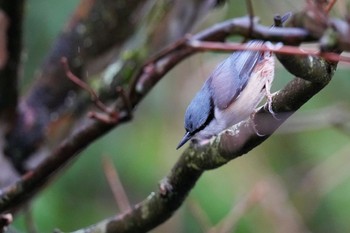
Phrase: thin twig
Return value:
(4, 24)
(278, 208)
(29, 219)
(110, 116)
(280, 49)
(170, 48)
(318, 176)
(240, 208)
(330, 6)
(199, 214)
(116, 185)
(84, 86)
(251, 16)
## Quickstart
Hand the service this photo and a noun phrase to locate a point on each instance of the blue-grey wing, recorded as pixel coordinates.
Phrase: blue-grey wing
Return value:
(200, 110)
(232, 75)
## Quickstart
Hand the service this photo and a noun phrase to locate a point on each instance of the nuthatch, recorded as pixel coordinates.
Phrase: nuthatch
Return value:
(230, 94)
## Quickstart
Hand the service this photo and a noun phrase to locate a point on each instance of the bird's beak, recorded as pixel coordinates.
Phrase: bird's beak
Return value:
(187, 137)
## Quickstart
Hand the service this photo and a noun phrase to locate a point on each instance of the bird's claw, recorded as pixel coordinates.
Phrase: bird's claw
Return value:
(252, 117)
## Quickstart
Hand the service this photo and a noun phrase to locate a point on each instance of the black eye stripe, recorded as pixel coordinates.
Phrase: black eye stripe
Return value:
(210, 117)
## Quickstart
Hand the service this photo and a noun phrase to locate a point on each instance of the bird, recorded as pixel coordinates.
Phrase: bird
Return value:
(230, 94)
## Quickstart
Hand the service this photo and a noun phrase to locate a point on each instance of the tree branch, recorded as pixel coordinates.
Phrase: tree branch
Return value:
(276, 49)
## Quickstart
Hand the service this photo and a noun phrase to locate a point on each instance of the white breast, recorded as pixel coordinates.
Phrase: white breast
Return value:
(245, 104)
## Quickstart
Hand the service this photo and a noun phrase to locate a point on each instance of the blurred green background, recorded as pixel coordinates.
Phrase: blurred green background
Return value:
(297, 181)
